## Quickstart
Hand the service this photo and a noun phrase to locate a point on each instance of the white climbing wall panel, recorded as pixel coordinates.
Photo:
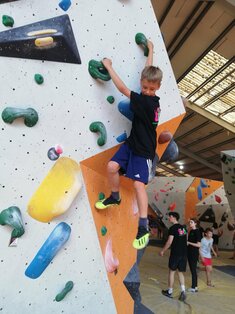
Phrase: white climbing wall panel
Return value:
(67, 102)
(217, 204)
(166, 193)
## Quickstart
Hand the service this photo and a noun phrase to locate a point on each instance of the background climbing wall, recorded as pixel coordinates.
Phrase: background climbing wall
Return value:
(193, 197)
(228, 168)
(67, 102)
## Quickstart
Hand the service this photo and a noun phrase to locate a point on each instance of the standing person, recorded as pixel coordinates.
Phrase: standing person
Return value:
(135, 156)
(233, 257)
(201, 230)
(177, 239)
(194, 243)
(205, 254)
(217, 233)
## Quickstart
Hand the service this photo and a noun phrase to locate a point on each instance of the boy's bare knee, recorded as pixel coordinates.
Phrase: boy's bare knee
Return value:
(113, 167)
(139, 185)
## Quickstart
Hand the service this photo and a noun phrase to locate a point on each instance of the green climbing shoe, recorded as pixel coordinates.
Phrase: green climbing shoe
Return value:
(142, 238)
(107, 202)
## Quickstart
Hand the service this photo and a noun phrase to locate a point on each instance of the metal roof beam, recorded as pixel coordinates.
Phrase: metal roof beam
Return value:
(176, 173)
(219, 95)
(199, 159)
(192, 130)
(183, 27)
(164, 15)
(211, 46)
(191, 29)
(205, 138)
(210, 78)
(215, 84)
(210, 116)
(231, 140)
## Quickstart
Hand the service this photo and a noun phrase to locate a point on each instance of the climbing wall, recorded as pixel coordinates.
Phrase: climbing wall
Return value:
(193, 197)
(215, 208)
(228, 168)
(58, 45)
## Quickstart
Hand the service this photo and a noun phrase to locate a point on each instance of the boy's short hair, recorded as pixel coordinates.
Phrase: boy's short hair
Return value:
(208, 230)
(174, 214)
(152, 74)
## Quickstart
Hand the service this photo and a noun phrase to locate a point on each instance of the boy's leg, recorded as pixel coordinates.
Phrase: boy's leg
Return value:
(113, 177)
(182, 296)
(208, 274)
(142, 236)
(141, 198)
(171, 277)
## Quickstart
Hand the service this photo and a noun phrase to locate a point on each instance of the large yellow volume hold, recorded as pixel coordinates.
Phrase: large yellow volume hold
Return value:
(57, 191)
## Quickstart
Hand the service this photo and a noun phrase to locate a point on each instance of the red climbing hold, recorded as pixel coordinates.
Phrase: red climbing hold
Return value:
(172, 206)
(218, 199)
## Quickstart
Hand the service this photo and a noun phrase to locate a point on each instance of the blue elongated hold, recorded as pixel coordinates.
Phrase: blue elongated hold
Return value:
(65, 4)
(58, 237)
(124, 108)
(203, 183)
(199, 192)
(122, 137)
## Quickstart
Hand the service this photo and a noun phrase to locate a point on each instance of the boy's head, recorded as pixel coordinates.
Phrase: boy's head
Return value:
(174, 217)
(208, 233)
(150, 80)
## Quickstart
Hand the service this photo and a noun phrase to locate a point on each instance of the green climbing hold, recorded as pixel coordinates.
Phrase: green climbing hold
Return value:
(30, 115)
(38, 79)
(12, 217)
(7, 20)
(101, 196)
(98, 127)
(68, 287)
(141, 39)
(98, 71)
(103, 231)
(111, 99)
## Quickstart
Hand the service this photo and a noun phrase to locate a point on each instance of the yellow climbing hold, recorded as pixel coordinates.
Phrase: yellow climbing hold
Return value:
(44, 41)
(42, 32)
(57, 191)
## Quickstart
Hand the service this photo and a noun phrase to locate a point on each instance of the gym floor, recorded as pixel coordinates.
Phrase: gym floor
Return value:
(219, 299)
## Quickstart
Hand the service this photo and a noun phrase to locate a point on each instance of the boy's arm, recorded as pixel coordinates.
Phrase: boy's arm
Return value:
(167, 245)
(213, 251)
(115, 78)
(149, 60)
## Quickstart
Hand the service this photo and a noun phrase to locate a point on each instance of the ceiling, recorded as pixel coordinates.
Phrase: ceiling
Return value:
(200, 40)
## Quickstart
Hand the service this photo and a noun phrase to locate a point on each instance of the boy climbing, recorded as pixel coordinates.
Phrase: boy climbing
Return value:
(135, 156)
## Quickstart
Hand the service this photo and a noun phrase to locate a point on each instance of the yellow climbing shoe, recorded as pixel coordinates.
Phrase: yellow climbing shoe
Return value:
(142, 238)
(107, 202)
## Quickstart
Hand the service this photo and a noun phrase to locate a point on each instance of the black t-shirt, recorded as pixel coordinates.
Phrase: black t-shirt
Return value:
(179, 243)
(142, 139)
(194, 237)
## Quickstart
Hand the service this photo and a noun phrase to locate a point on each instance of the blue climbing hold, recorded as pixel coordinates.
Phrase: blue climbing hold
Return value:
(199, 192)
(124, 108)
(122, 137)
(203, 183)
(171, 153)
(65, 4)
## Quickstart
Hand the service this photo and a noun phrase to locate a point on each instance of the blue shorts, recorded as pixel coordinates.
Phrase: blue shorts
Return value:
(133, 166)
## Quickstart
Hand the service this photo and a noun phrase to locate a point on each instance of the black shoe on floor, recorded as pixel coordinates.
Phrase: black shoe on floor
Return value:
(182, 296)
(167, 294)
